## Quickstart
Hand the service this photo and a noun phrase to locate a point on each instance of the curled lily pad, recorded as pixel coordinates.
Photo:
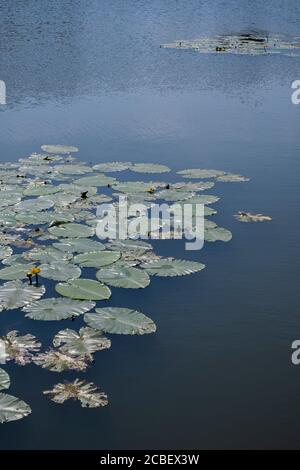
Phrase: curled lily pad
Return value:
(4, 380)
(112, 166)
(5, 252)
(83, 289)
(96, 259)
(120, 320)
(16, 271)
(71, 230)
(58, 361)
(149, 168)
(84, 343)
(60, 271)
(12, 408)
(118, 275)
(172, 267)
(16, 294)
(249, 217)
(57, 309)
(200, 173)
(217, 234)
(87, 393)
(79, 245)
(62, 149)
(19, 348)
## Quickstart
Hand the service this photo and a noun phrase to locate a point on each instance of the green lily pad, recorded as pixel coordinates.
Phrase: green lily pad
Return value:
(172, 267)
(111, 167)
(71, 230)
(95, 180)
(120, 321)
(79, 245)
(149, 168)
(17, 271)
(217, 234)
(84, 289)
(5, 252)
(122, 276)
(60, 271)
(96, 259)
(16, 294)
(200, 173)
(12, 408)
(40, 190)
(57, 309)
(38, 204)
(60, 149)
(4, 380)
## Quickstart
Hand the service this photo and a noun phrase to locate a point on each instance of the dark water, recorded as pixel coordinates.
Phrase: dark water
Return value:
(218, 371)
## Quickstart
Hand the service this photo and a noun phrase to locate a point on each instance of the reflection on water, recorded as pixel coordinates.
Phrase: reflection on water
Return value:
(91, 74)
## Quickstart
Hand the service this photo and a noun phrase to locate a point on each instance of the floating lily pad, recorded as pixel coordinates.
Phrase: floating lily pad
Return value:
(84, 289)
(172, 267)
(16, 294)
(19, 348)
(200, 173)
(111, 167)
(96, 259)
(5, 252)
(120, 320)
(40, 190)
(87, 393)
(12, 408)
(122, 276)
(59, 361)
(60, 271)
(249, 217)
(57, 309)
(4, 380)
(17, 271)
(232, 178)
(95, 180)
(79, 245)
(38, 204)
(84, 343)
(47, 254)
(149, 168)
(73, 169)
(217, 234)
(71, 230)
(62, 149)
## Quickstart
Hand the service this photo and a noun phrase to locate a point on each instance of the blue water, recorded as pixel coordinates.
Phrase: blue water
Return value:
(218, 372)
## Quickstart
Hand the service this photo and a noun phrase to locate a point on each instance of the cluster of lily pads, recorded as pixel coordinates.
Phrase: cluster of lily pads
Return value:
(48, 205)
(252, 43)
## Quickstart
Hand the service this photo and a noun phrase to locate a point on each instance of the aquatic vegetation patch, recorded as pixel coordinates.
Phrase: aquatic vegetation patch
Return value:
(48, 244)
(250, 43)
(249, 217)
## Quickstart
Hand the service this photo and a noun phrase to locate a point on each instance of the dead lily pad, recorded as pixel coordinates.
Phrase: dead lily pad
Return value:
(84, 343)
(19, 348)
(249, 217)
(59, 361)
(87, 393)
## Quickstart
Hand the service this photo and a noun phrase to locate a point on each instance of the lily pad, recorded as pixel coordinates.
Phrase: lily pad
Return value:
(249, 217)
(12, 408)
(38, 204)
(95, 180)
(217, 234)
(122, 276)
(62, 149)
(200, 173)
(17, 271)
(57, 309)
(59, 361)
(4, 380)
(120, 321)
(232, 178)
(96, 259)
(60, 271)
(71, 230)
(84, 289)
(79, 245)
(84, 343)
(111, 167)
(149, 168)
(172, 267)
(87, 393)
(40, 190)
(16, 294)
(5, 252)
(19, 348)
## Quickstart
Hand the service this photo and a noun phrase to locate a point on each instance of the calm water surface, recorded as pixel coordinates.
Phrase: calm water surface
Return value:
(218, 372)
